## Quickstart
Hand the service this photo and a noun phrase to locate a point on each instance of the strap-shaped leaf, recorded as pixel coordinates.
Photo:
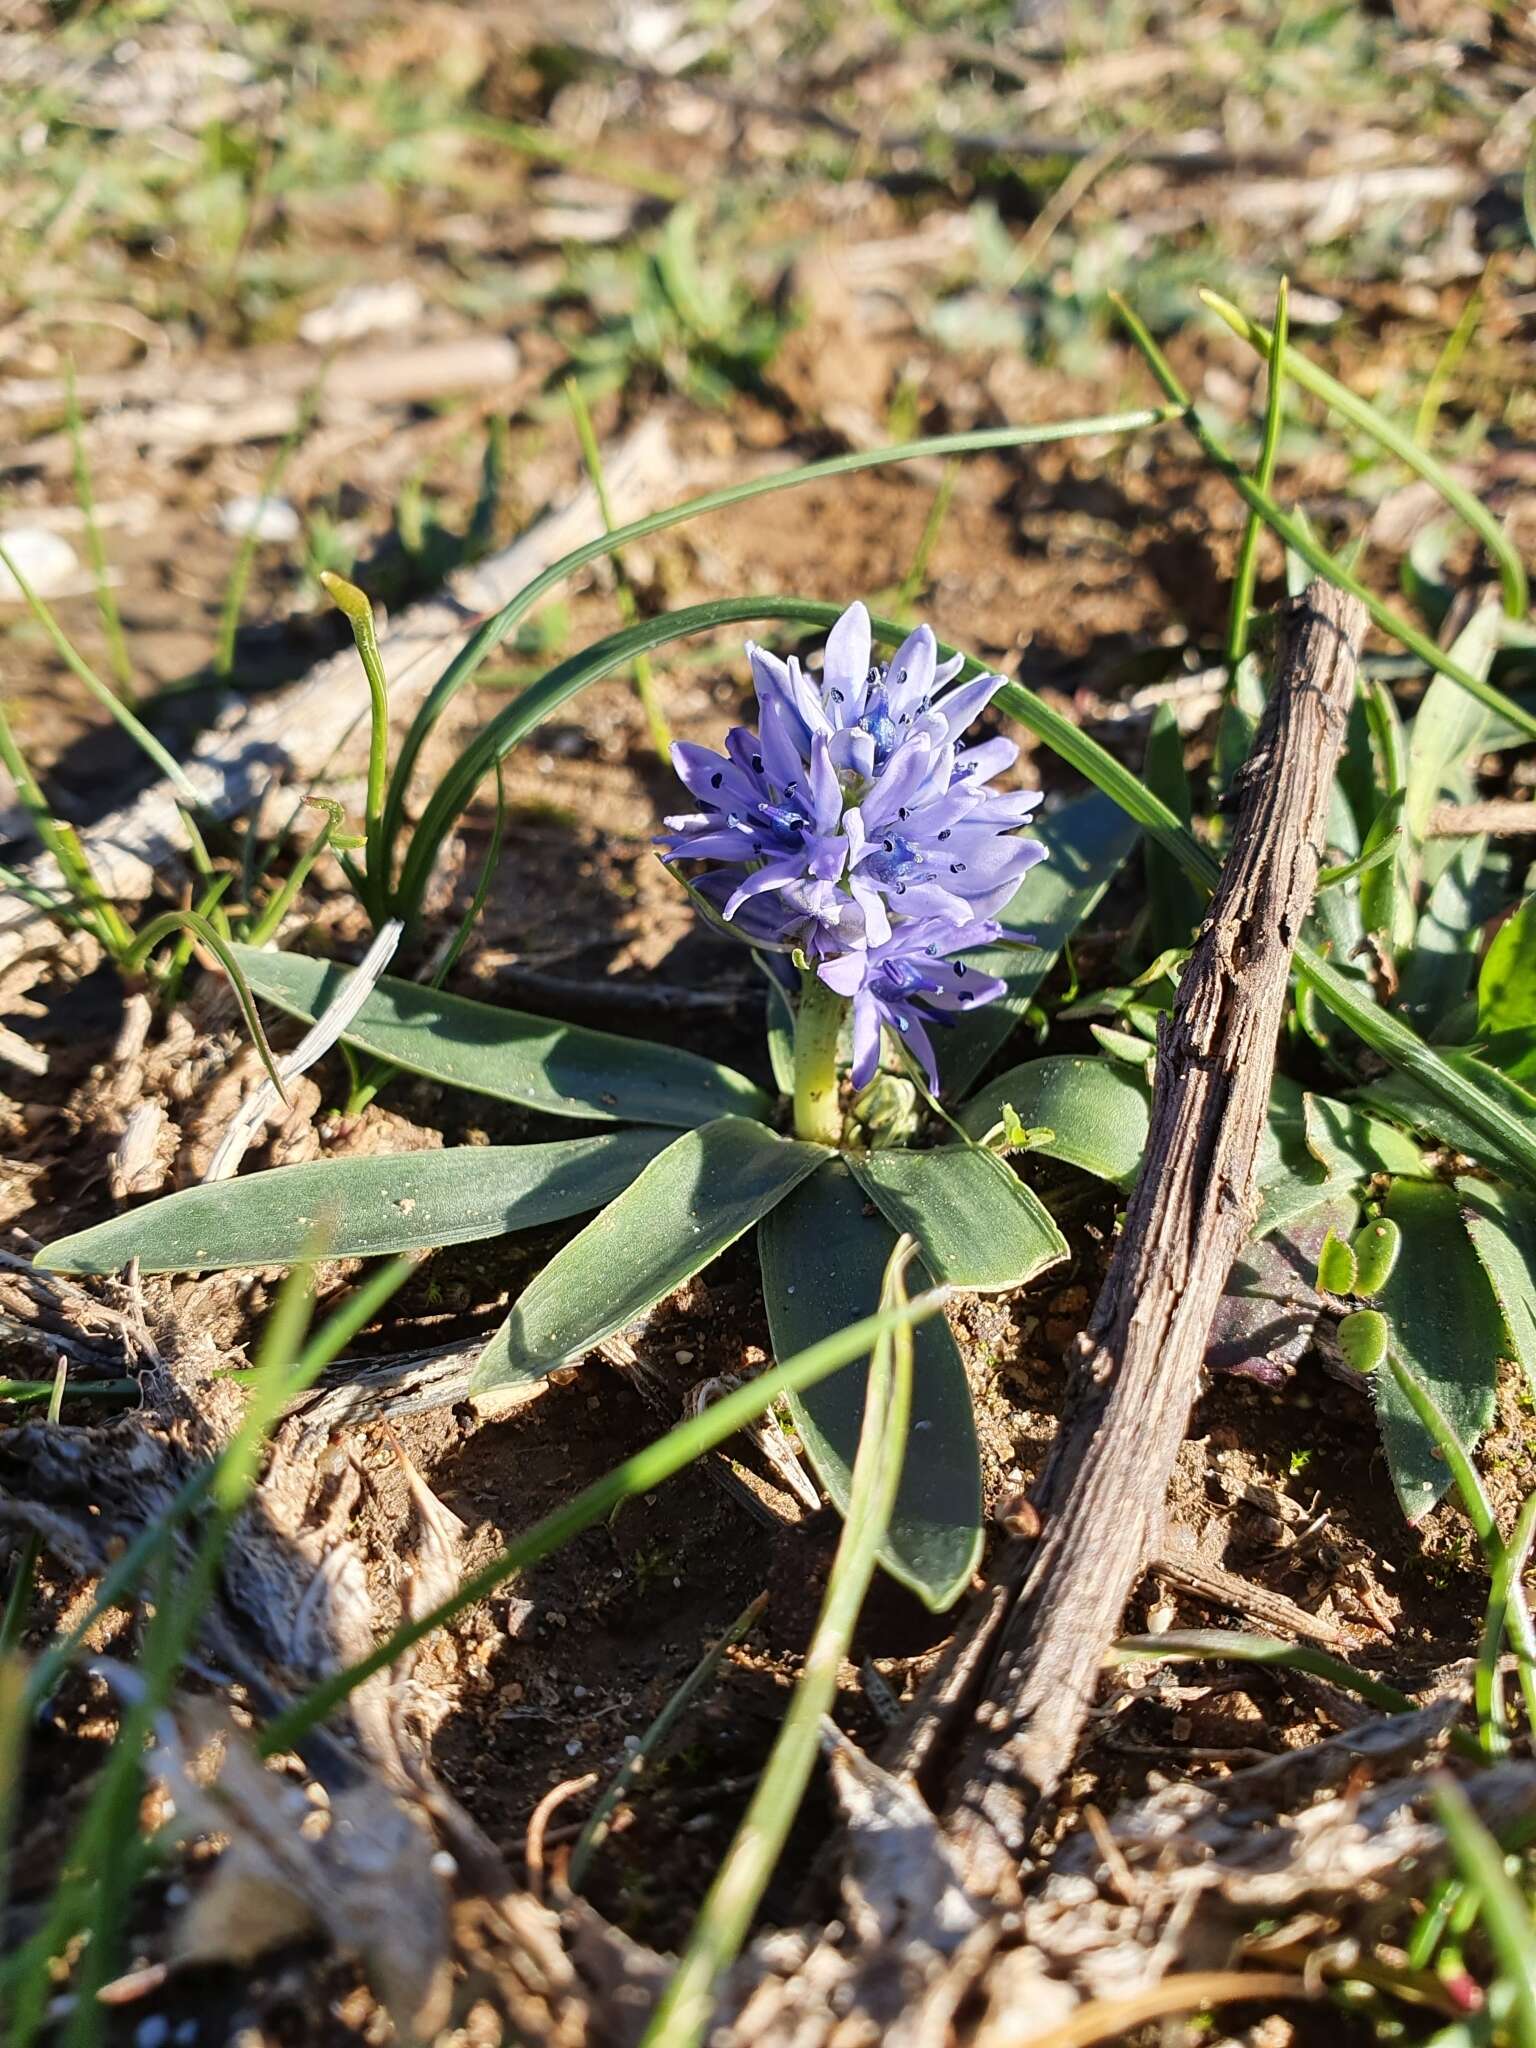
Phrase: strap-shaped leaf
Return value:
(976, 1222)
(1096, 1109)
(559, 1068)
(822, 1259)
(1403, 1098)
(1088, 840)
(363, 1207)
(694, 1199)
(1501, 1222)
(1446, 1329)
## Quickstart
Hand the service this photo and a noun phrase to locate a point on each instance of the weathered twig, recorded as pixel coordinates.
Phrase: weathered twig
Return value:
(1100, 1497)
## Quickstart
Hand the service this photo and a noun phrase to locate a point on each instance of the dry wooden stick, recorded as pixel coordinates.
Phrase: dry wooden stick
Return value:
(1101, 1494)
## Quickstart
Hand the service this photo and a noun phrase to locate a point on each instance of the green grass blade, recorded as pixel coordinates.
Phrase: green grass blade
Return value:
(106, 603)
(353, 603)
(497, 627)
(107, 697)
(683, 2011)
(1505, 1914)
(629, 610)
(1508, 1575)
(160, 928)
(1404, 1049)
(1299, 538)
(95, 910)
(649, 1468)
(1264, 475)
(1339, 398)
(271, 484)
(1238, 1646)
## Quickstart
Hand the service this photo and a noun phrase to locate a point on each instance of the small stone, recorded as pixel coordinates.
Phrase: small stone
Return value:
(272, 520)
(45, 560)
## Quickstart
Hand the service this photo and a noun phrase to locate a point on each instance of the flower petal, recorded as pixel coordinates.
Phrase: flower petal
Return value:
(958, 707)
(846, 663)
(866, 1041)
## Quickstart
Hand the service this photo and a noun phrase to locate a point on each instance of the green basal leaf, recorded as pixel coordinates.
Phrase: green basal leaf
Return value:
(1446, 1330)
(1376, 1248)
(1335, 1266)
(1096, 1111)
(559, 1068)
(823, 1259)
(1363, 1339)
(703, 1192)
(1501, 1223)
(363, 1208)
(976, 1223)
(1089, 840)
(1506, 986)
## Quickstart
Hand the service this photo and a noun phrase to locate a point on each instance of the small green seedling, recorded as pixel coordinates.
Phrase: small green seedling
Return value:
(1375, 1250)
(1336, 1270)
(1363, 1339)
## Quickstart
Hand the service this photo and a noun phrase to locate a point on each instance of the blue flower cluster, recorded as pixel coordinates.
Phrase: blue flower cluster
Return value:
(854, 827)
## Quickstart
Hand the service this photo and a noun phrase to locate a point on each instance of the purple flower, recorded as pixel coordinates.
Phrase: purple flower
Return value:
(908, 983)
(854, 803)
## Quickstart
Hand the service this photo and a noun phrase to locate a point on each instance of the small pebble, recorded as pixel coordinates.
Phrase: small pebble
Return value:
(265, 519)
(46, 560)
